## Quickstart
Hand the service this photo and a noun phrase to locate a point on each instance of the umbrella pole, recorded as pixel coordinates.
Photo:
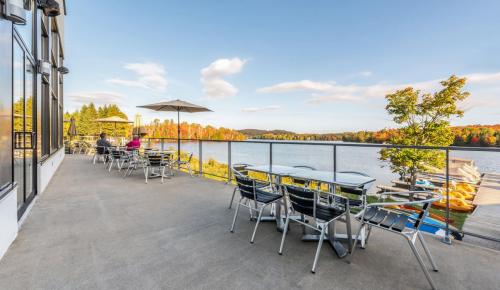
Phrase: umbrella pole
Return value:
(178, 138)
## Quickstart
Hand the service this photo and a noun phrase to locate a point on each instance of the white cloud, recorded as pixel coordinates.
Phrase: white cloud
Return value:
(214, 86)
(483, 87)
(260, 109)
(149, 75)
(306, 85)
(98, 98)
(365, 73)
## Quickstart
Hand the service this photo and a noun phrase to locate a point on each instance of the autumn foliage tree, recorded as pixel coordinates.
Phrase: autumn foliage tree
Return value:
(424, 120)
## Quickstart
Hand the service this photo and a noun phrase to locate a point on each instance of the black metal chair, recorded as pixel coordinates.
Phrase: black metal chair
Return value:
(155, 161)
(240, 169)
(187, 163)
(252, 193)
(100, 153)
(307, 202)
(357, 198)
(397, 222)
(118, 157)
(135, 160)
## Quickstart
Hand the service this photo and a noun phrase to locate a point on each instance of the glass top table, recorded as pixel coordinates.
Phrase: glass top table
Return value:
(335, 178)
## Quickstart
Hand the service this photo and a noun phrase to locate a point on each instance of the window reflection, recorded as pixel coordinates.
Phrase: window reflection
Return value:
(26, 31)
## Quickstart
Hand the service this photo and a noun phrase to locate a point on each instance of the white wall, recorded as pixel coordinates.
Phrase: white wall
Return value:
(8, 205)
(8, 220)
(47, 169)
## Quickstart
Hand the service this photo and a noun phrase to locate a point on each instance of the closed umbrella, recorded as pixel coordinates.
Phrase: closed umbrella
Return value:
(176, 106)
(71, 133)
(72, 128)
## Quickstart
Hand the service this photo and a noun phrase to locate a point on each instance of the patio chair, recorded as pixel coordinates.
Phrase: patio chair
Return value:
(155, 161)
(99, 153)
(187, 163)
(240, 169)
(400, 222)
(135, 161)
(307, 202)
(357, 198)
(118, 157)
(252, 193)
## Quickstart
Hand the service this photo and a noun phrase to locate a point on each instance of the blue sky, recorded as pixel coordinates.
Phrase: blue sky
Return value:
(306, 66)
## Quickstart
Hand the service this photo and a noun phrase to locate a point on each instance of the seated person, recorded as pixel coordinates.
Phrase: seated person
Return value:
(102, 144)
(135, 143)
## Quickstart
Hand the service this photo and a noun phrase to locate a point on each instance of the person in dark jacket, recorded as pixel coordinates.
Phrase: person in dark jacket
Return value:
(102, 144)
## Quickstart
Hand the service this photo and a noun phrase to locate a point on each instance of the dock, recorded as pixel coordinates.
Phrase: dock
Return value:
(485, 220)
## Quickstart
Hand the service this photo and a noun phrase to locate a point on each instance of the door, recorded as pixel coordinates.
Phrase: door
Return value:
(24, 128)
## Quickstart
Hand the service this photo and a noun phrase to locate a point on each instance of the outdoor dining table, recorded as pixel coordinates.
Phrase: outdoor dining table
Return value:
(144, 152)
(344, 179)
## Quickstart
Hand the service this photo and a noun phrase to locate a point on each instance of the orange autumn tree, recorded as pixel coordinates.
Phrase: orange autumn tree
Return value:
(168, 129)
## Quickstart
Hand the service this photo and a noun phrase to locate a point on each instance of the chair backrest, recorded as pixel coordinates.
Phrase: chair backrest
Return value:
(155, 159)
(301, 181)
(302, 200)
(359, 191)
(115, 153)
(240, 169)
(246, 186)
(100, 149)
(307, 202)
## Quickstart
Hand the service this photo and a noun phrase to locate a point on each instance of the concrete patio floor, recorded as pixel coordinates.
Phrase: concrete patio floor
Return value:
(94, 230)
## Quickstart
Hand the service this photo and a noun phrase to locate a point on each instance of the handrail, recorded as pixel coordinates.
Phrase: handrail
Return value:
(333, 144)
(342, 144)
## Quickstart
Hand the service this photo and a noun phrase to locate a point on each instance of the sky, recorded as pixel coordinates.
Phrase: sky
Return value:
(304, 66)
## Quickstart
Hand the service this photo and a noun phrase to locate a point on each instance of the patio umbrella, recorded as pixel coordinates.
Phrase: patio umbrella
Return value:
(113, 119)
(72, 129)
(176, 106)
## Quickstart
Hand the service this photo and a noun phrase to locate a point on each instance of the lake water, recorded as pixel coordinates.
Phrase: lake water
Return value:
(362, 159)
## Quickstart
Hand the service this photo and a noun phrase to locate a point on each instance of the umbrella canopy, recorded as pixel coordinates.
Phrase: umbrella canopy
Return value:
(113, 119)
(176, 106)
(72, 128)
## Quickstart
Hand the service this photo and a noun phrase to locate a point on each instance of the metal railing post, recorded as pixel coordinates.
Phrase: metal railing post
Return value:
(446, 238)
(334, 158)
(200, 150)
(270, 156)
(229, 162)
(162, 144)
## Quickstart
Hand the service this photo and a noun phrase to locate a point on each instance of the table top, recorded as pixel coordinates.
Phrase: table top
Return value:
(337, 178)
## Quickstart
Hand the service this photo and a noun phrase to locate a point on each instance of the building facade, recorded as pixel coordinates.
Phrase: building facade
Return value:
(31, 105)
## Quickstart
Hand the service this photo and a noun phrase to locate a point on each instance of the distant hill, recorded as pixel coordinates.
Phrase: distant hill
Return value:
(472, 135)
(257, 132)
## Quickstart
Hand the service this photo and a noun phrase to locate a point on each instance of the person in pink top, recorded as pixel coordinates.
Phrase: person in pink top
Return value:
(135, 143)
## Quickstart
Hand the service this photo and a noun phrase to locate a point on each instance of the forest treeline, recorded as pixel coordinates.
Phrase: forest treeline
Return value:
(473, 135)
(168, 129)
(87, 126)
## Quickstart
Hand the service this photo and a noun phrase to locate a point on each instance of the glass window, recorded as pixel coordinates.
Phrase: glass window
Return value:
(5, 105)
(26, 31)
(55, 124)
(45, 119)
